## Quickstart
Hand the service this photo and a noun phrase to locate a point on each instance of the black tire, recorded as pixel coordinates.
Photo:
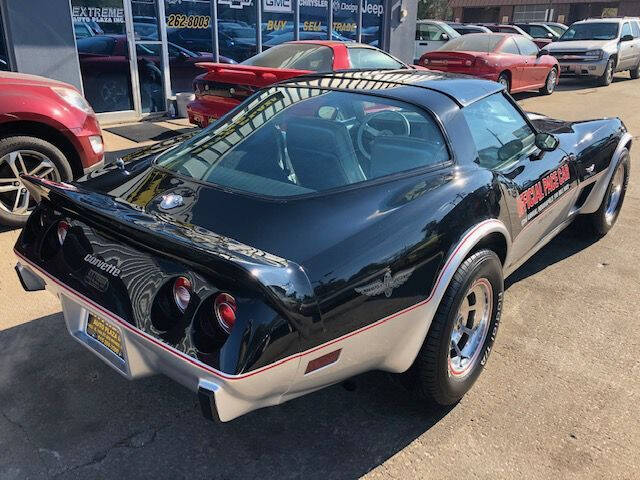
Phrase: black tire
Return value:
(607, 76)
(635, 72)
(430, 376)
(503, 78)
(602, 220)
(549, 85)
(13, 144)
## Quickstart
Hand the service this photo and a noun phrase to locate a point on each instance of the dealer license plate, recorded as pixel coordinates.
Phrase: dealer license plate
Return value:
(105, 333)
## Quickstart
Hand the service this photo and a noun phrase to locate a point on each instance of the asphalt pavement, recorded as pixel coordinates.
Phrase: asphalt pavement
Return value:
(560, 397)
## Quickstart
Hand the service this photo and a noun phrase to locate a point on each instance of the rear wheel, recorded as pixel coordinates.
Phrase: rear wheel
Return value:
(503, 79)
(550, 83)
(31, 156)
(603, 220)
(607, 76)
(462, 332)
(635, 72)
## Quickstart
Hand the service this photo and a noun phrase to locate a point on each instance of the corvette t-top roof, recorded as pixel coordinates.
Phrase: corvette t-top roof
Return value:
(462, 89)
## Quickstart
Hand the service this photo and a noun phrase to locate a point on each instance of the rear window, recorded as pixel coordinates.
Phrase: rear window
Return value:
(96, 45)
(317, 58)
(479, 42)
(294, 141)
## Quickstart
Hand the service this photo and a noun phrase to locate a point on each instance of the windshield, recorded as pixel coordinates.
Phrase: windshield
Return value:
(474, 42)
(289, 141)
(590, 31)
(316, 58)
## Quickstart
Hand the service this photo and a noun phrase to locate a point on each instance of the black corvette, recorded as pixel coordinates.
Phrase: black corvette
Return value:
(330, 225)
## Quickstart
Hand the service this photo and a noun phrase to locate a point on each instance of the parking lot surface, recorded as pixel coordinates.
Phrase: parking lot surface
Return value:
(560, 397)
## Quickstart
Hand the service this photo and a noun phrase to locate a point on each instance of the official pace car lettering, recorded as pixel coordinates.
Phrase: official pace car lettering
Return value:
(102, 265)
(543, 193)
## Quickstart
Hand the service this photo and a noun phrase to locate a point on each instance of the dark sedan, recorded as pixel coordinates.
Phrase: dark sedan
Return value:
(333, 224)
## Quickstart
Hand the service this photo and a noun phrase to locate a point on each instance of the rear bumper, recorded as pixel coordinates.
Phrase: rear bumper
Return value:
(203, 112)
(223, 397)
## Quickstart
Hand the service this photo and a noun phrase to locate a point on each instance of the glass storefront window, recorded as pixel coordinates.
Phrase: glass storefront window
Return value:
(103, 51)
(277, 22)
(372, 18)
(237, 29)
(4, 55)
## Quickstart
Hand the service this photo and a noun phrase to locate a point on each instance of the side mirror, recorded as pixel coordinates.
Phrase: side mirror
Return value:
(541, 53)
(547, 142)
(445, 37)
(627, 38)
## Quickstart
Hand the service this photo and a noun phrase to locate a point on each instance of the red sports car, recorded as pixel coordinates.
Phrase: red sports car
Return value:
(225, 86)
(512, 60)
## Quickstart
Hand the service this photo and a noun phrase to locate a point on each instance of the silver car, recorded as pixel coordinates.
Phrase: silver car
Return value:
(431, 35)
(597, 48)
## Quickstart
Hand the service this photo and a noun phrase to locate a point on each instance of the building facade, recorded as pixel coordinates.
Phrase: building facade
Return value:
(563, 11)
(129, 56)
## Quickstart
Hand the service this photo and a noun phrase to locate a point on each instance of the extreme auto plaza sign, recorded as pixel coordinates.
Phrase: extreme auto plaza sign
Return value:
(98, 14)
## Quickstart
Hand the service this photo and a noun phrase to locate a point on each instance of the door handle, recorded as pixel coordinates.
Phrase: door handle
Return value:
(424, 43)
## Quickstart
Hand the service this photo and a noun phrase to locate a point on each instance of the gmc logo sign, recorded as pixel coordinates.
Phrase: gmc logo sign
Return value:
(277, 6)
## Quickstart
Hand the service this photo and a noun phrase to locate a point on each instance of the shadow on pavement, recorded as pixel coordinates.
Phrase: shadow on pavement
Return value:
(64, 412)
(569, 84)
(567, 243)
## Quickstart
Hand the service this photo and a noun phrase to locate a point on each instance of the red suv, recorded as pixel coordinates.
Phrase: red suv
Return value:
(47, 129)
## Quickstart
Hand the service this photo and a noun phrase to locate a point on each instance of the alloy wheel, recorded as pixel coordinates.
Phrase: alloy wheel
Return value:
(470, 328)
(614, 195)
(14, 196)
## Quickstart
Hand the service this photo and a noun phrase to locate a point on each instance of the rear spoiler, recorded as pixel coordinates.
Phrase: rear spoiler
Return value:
(282, 281)
(248, 74)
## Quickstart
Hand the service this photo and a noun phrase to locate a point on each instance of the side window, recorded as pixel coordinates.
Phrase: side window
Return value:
(426, 31)
(526, 28)
(526, 46)
(635, 28)
(626, 29)
(537, 31)
(370, 58)
(499, 131)
(509, 46)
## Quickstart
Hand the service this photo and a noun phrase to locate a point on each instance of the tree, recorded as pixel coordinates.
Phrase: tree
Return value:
(433, 9)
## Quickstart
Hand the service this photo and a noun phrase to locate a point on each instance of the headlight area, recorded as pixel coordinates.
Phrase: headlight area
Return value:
(594, 54)
(73, 98)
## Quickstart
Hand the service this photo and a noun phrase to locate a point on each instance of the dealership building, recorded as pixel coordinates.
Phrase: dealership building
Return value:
(563, 11)
(129, 57)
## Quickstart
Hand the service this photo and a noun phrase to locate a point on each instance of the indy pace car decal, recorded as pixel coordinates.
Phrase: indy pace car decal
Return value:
(543, 193)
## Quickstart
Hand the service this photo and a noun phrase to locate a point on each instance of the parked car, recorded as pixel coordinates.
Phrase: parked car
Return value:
(104, 62)
(431, 35)
(539, 31)
(464, 28)
(277, 39)
(199, 40)
(540, 42)
(47, 129)
(335, 224)
(598, 48)
(512, 60)
(224, 87)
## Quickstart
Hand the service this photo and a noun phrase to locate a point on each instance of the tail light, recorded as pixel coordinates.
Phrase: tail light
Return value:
(63, 228)
(182, 293)
(225, 308)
